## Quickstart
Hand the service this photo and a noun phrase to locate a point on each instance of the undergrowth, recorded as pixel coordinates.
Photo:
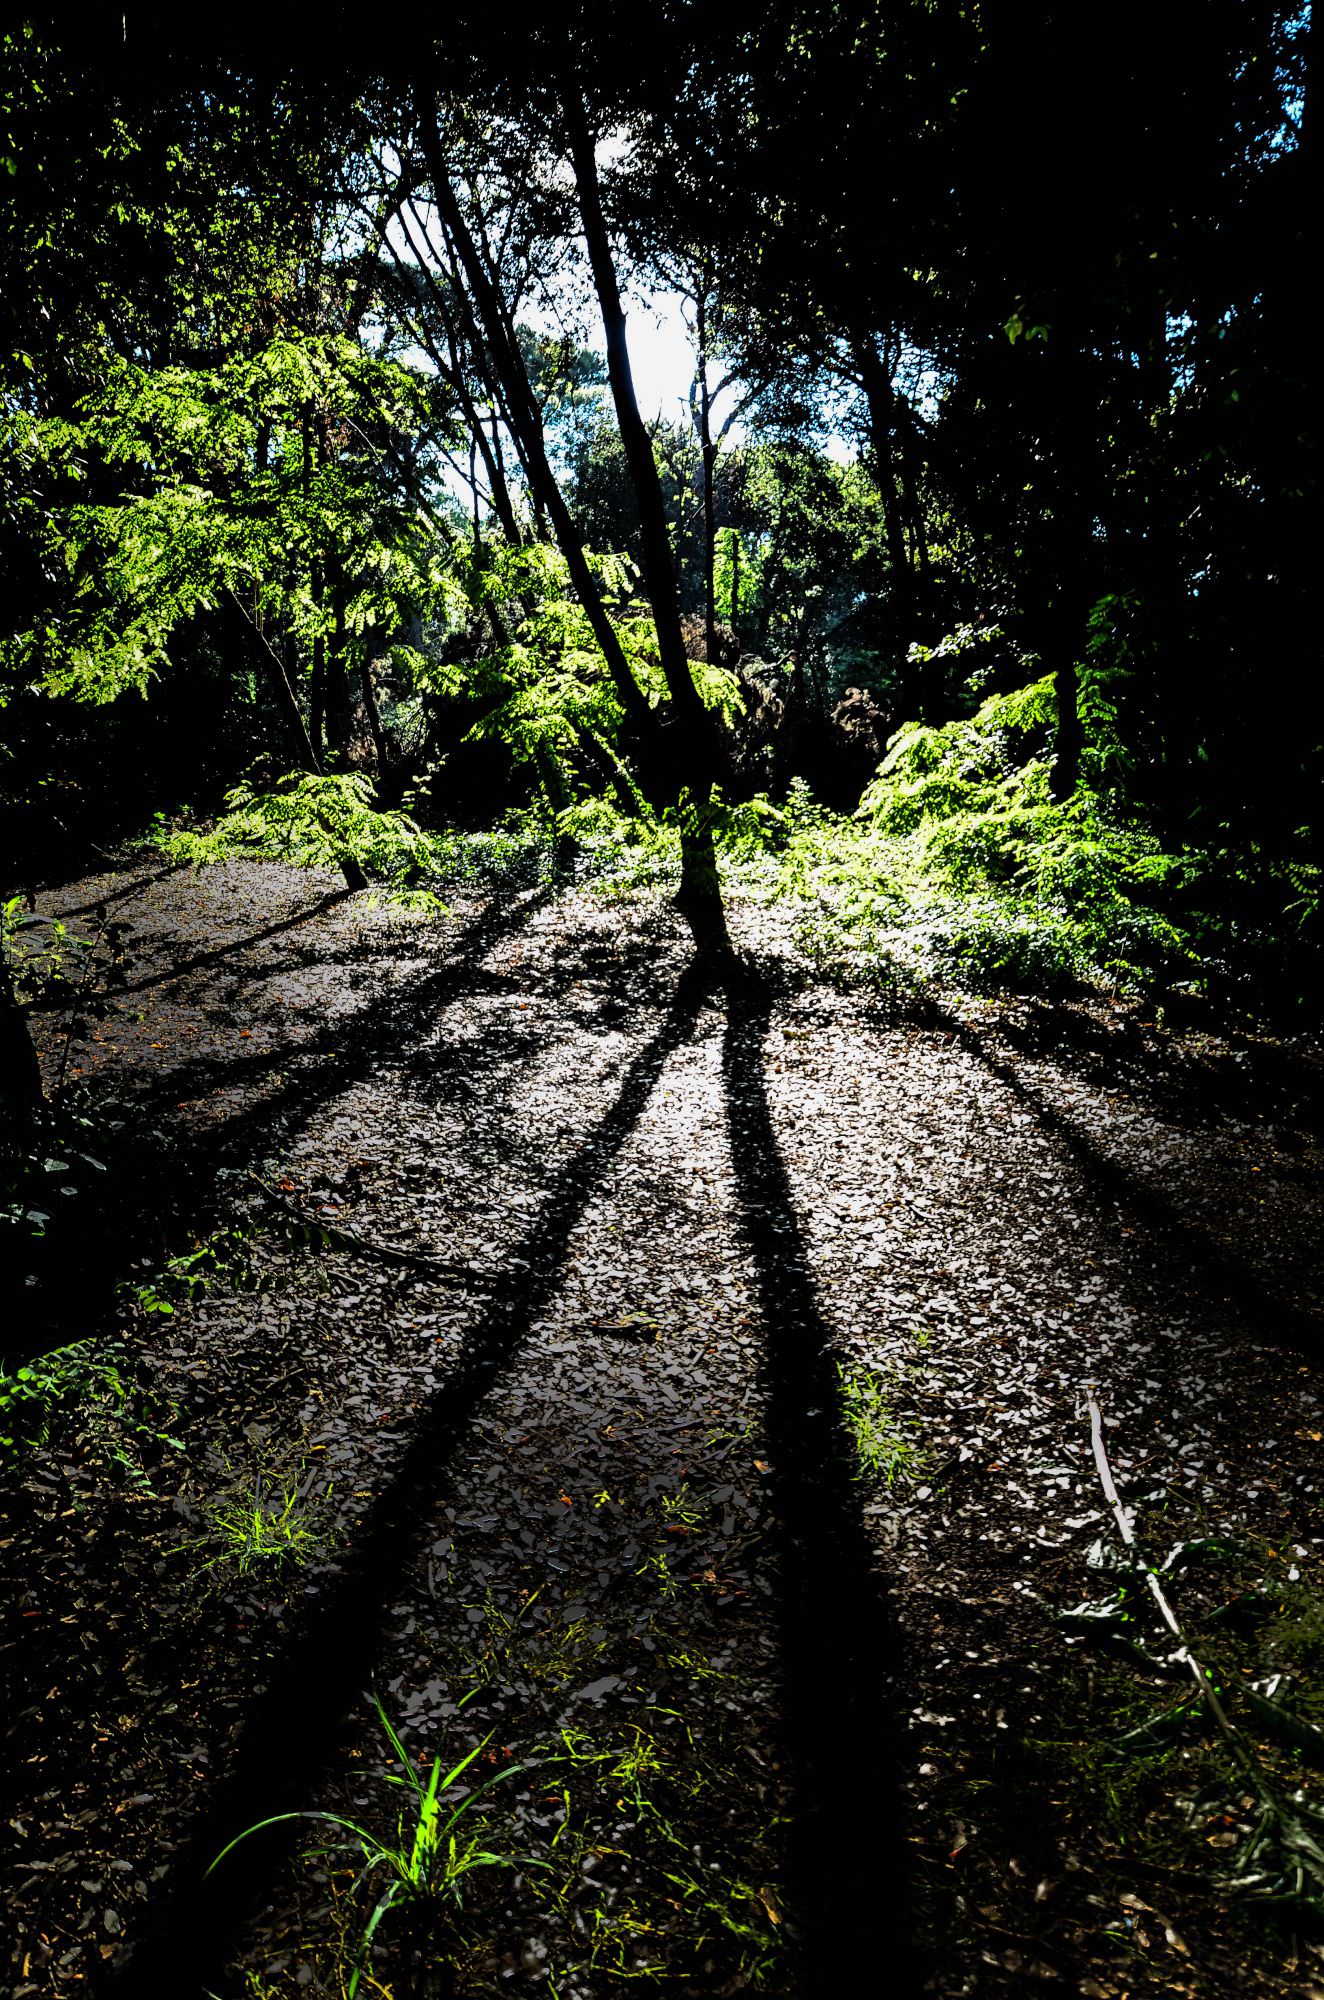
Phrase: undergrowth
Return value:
(959, 863)
(317, 821)
(85, 1398)
(1162, 1779)
(961, 866)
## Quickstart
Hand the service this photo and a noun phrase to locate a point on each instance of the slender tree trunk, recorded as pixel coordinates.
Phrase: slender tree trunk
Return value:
(339, 714)
(557, 794)
(305, 753)
(697, 758)
(290, 712)
(708, 455)
(451, 368)
(317, 702)
(880, 398)
(374, 714)
(612, 769)
(525, 427)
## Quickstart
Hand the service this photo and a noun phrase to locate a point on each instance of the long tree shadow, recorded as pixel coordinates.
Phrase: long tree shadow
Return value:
(1195, 1258)
(165, 1173)
(220, 953)
(841, 1655)
(292, 1731)
(122, 895)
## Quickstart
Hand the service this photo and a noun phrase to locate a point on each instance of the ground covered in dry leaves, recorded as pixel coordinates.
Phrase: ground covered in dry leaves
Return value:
(674, 1385)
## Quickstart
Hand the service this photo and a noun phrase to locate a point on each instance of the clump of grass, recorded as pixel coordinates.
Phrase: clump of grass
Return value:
(539, 1649)
(276, 1525)
(883, 1450)
(439, 1840)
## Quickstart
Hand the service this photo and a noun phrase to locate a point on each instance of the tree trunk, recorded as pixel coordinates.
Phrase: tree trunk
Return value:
(524, 423)
(291, 714)
(339, 715)
(317, 702)
(556, 792)
(451, 369)
(880, 398)
(708, 453)
(696, 754)
(659, 578)
(374, 714)
(305, 754)
(609, 766)
(699, 897)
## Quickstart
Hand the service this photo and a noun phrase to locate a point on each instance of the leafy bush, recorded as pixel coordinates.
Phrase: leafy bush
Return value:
(315, 822)
(961, 864)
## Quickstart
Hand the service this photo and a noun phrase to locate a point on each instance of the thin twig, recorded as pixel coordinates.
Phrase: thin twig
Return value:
(349, 1239)
(1169, 1616)
(1300, 1846)
(1157, 1591)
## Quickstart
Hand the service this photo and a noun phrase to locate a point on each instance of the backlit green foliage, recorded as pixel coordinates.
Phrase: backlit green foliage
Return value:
(315, 822)
(960, 862)
(548, 685)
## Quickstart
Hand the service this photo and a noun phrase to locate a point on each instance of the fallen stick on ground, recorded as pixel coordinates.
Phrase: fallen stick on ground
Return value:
(1169, 1616)
(364, 1246)
(1302, 1855)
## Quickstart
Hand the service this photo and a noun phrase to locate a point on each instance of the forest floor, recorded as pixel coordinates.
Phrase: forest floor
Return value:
(727, 1488)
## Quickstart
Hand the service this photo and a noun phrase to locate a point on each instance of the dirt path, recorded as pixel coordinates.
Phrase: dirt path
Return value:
(596, 1504)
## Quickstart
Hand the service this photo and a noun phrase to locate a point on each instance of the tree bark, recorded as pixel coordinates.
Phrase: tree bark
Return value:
(290, 712)
(317, 702)
(451, 369)
(556, 792)
(655, 543)
(880, 398)
(374, 715)
(708, 456)
(339, 714)
(700, 893)
(523, 420)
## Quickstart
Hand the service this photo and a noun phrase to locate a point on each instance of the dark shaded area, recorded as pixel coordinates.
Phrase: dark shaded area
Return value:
(848, 1866)
(163, 1178)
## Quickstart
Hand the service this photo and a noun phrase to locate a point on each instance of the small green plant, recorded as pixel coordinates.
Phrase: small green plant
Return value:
(439, 1840)
(85, 1385)
(29, 1394)
(528, 1643)
(222, 1259)
(658, 1568)
(680, 1511)
(882, 1448)
(48, 959)
(277, 1525)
